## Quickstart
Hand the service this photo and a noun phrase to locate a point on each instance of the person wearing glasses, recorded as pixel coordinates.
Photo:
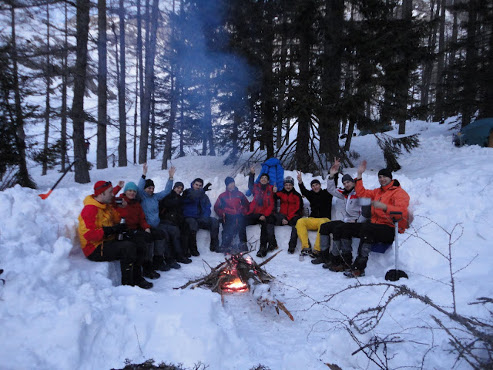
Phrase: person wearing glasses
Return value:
(99, 228)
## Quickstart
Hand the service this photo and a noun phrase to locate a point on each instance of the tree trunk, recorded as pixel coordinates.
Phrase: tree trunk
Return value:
(469, 93)
(48, 88)
(101, 151)
(23, 178)
(63, 118)
(148, 87)
(403, 89)
(438, 114)
(78, 116)
(331, 78)
(122, 114)
(153, 125)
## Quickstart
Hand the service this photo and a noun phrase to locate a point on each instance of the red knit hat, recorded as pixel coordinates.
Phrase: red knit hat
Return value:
(101, 186)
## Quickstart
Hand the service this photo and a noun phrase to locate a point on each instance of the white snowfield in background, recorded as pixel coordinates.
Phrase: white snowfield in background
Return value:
(60, 311)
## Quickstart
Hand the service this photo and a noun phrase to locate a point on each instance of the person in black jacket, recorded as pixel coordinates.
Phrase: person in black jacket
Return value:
(321, 207)
(173, 223)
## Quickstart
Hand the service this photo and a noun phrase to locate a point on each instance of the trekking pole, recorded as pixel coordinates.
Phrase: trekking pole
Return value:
(396, 274)
(44, 196)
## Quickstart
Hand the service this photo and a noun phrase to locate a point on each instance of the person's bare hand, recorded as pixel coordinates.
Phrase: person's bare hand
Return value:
(284, 222)
(361, 169)
(148, 230)
(298, 176)
(274, 189)
(252, 170)
(172, 171)
(144, 169)
(380, 205)
(335, 167)
(121, 183)
(262, 218)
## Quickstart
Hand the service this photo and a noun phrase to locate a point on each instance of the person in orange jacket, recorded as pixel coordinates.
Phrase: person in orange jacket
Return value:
(385, 200)
(99, 224)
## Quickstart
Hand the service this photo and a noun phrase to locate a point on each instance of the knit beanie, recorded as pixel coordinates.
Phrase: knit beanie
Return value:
(198, 179)
(228, 180)
(385, 172)
(130, 186)
(148, 183)
(315, 181)
(101, 186)
(178, 183)
(347, 177)
(289, 180)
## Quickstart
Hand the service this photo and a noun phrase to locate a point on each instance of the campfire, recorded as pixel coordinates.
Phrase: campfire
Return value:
(238, 274)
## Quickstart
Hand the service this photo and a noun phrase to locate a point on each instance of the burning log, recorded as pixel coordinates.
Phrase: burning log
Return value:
(236, 275)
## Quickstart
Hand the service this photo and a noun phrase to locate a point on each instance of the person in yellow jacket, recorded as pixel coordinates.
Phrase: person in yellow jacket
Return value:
(99, 225)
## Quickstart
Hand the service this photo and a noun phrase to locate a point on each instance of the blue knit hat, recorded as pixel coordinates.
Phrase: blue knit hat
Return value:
(130, 186)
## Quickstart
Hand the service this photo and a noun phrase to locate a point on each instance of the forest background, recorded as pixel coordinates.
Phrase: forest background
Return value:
(137, 79)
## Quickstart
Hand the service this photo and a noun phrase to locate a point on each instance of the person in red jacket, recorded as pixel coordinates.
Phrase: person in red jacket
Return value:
(290, 211)
(139, 230)
(261, 212)
(99, 225)
(231, 207)
(385, 200)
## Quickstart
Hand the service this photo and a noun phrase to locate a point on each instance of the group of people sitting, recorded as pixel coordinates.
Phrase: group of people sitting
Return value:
(150, 232)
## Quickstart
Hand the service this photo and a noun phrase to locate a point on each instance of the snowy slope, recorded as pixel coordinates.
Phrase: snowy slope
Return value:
(61, 311)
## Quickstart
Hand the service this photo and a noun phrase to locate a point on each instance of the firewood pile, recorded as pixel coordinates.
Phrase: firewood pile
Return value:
(239, 273)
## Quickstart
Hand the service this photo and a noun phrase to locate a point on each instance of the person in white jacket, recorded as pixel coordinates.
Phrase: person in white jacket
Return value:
(350, 213)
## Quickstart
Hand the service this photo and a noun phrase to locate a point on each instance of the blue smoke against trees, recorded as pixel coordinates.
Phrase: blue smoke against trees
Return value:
(214, 79)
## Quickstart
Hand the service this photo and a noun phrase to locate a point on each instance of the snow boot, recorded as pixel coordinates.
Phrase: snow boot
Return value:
(291, 249)
(341, 263)
(127, 270)
(262, 252)
(214, 244)
(323, 257)
(139, 279)
(149, 272)
(159, 264)
(193, 245)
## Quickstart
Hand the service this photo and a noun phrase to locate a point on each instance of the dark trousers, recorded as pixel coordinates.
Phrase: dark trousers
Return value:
(266, 229)
(294, 234)
(233, 225)
(130, 255)
(368, 233)
(174, 248)
(205, 223)
(147, 241)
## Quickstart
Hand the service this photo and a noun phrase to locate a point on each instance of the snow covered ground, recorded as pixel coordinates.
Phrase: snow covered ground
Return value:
(61, 311)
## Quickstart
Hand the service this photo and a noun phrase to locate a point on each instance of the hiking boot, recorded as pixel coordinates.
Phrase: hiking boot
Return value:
(336, 268)
(195, 252)
(272, 247)
(148, 272)
(291, 249)
(159, 264)
(313, 254)
(143, 283)
(262, 252)
(174, 265)
(184, 260)
(318, 260)
(323, 257)
(354, 273)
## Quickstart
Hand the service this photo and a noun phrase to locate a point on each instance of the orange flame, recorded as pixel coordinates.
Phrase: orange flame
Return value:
(235, 285)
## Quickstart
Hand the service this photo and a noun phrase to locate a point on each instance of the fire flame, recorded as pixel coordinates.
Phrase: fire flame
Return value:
(235, 285)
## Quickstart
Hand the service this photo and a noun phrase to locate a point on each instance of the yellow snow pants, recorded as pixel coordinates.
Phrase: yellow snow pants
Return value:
(313, 224)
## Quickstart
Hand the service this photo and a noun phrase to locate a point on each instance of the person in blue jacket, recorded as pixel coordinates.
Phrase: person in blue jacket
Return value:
(274, 169)
(197, 212)
(149, 201)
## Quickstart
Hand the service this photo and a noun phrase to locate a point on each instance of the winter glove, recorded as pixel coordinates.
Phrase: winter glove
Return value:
(207, 187)
(117, 229)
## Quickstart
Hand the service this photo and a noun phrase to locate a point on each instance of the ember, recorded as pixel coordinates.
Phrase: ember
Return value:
(235, 276)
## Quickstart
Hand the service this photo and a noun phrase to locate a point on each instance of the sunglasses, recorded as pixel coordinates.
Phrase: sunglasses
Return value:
(105, 185)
